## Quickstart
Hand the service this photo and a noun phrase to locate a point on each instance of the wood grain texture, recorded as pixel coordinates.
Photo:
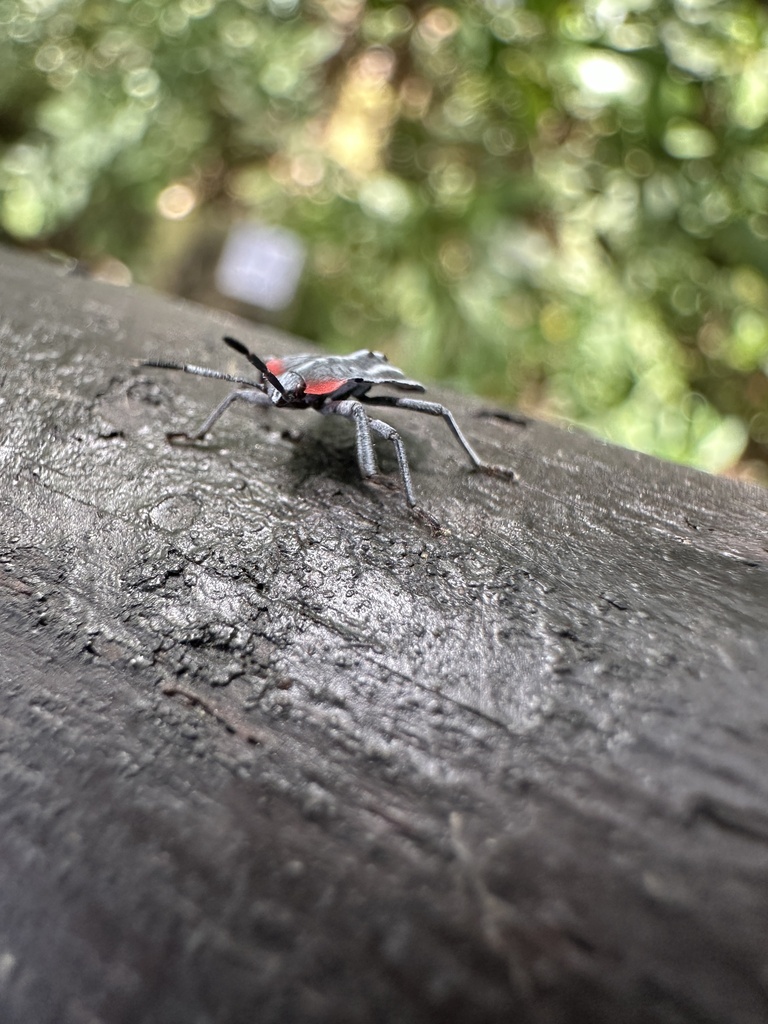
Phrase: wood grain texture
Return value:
(271, 751)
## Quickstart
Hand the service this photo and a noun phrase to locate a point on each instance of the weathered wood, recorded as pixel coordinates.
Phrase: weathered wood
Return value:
(270, 751)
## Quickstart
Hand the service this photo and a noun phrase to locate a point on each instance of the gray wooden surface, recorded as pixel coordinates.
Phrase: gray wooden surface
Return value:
(270, 751)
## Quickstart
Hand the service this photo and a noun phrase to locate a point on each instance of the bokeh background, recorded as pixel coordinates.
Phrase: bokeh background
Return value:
(562, 206)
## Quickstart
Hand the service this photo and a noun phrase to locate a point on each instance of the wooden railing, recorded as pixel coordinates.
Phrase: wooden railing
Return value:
(272, 750)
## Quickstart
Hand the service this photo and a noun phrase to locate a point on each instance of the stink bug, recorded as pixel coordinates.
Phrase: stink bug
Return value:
(333, 386)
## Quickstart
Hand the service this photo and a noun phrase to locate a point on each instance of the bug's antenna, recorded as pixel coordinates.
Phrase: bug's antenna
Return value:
(238, 346)
(198, 371)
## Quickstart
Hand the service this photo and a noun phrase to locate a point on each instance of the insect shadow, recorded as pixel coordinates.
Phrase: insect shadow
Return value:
(327, 450)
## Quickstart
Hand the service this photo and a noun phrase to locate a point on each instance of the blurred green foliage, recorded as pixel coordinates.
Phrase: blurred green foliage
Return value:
(559, 204)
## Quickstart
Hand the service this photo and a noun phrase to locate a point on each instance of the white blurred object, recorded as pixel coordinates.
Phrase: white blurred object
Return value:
(261, 265)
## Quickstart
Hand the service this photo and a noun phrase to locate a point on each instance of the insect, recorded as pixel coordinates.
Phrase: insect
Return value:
(333, 386)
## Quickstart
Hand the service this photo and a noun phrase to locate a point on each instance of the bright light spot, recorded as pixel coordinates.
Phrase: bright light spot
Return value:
(376, 64)
(438, 25)
(141, 83)
(239, 33)
(747, 348)
(756, 162)
(279, 79)
(632, 36)
(283, 8)
(606, 75)
(307, 170)
(514, 25)
(261, 265)
(197, 8)
(50, 57)
(750, 105)
(112, 271)
(343, 12)
(41, 7)
(688, 49)
(176, 201)
(455, 257)
(517, 250)
(687, 140)
(660, 195)
(452, 181)
(23, 211)
(385, 197)
(359, 126)
(349, 142)
(173, 21)
(722, 446)
(415, 96)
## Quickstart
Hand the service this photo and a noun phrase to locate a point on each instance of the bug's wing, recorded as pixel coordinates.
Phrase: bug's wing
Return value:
(326, 375)
(373, 367)
(401, 382)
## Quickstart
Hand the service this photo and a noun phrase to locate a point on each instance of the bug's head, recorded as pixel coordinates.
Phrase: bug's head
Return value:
(285, 389)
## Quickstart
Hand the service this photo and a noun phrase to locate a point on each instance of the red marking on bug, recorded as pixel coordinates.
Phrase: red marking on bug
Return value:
(323, 387)
(275, 366)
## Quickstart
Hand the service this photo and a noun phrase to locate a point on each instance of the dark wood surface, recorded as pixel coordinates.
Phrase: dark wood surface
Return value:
(270, 751)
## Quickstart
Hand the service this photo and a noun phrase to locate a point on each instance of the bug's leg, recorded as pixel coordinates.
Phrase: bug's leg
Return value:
(386, 431)
(366, 455)
(435, 409)
(254, 397)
